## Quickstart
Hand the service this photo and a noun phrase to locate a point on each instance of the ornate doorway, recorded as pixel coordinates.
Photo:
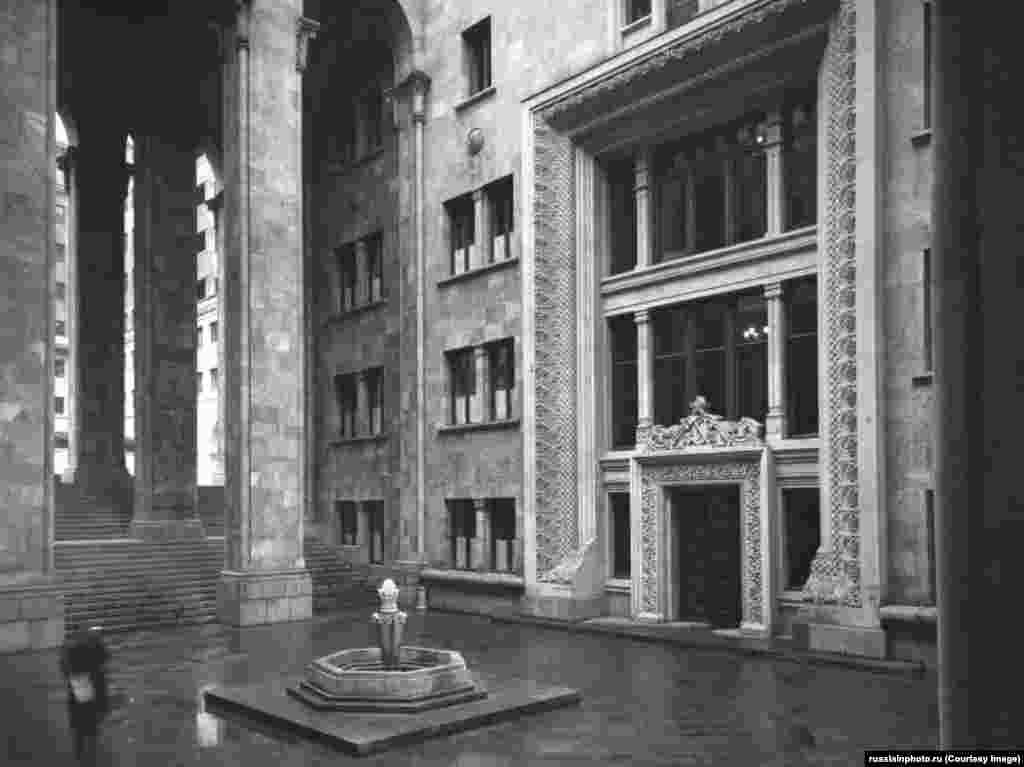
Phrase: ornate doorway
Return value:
(708, 554)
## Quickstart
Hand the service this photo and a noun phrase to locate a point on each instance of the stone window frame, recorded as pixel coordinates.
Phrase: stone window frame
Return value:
(461, 369)
(462, 233)
(494, 350)
(481, 551)
(374, 377)
(493, 508)
(782, 486)
(478, 57)
(346, 268)
(500, 196)
(373, 512)
(346, 396)
(623, 489)
(354, 286)
(460, 516)
(347, 515)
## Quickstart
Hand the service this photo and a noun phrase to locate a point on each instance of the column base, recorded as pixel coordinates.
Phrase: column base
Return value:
(253, 597)
(849, 640)
(31, 613)
(166, 529)
(562, 602)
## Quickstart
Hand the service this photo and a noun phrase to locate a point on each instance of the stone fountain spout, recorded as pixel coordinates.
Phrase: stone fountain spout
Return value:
(390, 625)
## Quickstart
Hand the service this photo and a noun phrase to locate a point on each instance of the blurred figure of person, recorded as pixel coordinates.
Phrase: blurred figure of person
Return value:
(83, 662)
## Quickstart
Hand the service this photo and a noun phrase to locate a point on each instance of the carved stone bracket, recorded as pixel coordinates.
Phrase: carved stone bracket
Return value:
(306, 31)
(700, 429)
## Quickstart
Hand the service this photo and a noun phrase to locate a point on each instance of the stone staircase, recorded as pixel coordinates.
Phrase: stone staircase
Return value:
(126, 585)
(336, 584)
(81, 517)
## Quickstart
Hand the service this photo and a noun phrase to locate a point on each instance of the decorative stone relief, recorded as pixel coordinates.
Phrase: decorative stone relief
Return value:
(652, 482)
(700, 429)
(835, 573)
(555, 338)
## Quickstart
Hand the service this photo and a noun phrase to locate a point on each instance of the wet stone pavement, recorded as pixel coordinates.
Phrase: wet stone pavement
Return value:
(643, 703)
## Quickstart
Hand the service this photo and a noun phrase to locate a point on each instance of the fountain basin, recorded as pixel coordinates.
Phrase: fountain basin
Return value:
(358, 680)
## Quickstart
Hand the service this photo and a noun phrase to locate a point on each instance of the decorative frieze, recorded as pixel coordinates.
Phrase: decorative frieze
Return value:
(700, 429)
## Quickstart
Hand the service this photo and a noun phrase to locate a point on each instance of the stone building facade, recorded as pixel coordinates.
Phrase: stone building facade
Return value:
(616, 308)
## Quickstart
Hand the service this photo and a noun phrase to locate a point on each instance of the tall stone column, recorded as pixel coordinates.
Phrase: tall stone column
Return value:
(31, 605)
(775, 220)
(265, 579)
(482, 543)
(775, 422)
(478, 401)
(644, 370)
(99, 407)
(165, 340)
(642, 195)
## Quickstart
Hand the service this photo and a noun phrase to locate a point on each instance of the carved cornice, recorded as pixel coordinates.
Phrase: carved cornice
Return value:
(700, 429)
(682, 49)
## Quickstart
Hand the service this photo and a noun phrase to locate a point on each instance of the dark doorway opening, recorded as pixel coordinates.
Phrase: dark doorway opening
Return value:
(707, 554)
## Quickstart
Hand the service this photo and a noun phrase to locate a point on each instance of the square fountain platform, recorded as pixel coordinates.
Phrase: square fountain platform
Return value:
(367, 733)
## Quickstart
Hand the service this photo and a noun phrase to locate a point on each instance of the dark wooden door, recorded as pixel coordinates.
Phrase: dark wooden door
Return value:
(708, 554)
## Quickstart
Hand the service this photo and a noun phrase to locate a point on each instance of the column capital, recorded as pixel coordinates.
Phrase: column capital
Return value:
(478, 195)
(415, 85)
(480, 505)
(642, 170)
(770, 130)
(306, 30)
(642, 316)
(773, 290)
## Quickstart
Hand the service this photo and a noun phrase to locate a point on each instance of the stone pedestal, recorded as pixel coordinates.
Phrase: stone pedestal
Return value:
(265, 579)
(165, 320)
(31, 608)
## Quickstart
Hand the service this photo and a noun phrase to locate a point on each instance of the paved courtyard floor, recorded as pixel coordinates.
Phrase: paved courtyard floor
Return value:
(643, 703)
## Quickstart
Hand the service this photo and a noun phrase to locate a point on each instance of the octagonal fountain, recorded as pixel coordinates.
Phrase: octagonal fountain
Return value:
(368, 699)
(389, 677)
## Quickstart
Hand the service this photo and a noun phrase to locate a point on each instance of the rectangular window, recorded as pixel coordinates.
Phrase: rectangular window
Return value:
(374, 266)
(62, 291)
(622, 338)
(199, 380)
(58, 405)
(461, 218)
(477, 41)
(199, 336)
(200, 289)
(501, 363)
(62, 252)
(801, 509)
(800, 161)
(671, 355)
(60, 328)
(348, 522)
(801, 305)
(926, 82)
(673, 191)
(502, 513)
(345, 393)
(60, 439)
(636, 10)
(462, 531)
(375, 398)
(750, 347)
(749, 203)
(618, 508)
(500, 202)
(716, 348)
(926, 291)
(59, 368)
(622, 215)
(709, 187)
(214, 379)
(347, 274)
(375, 529)
(462, 379)
(213, 332)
